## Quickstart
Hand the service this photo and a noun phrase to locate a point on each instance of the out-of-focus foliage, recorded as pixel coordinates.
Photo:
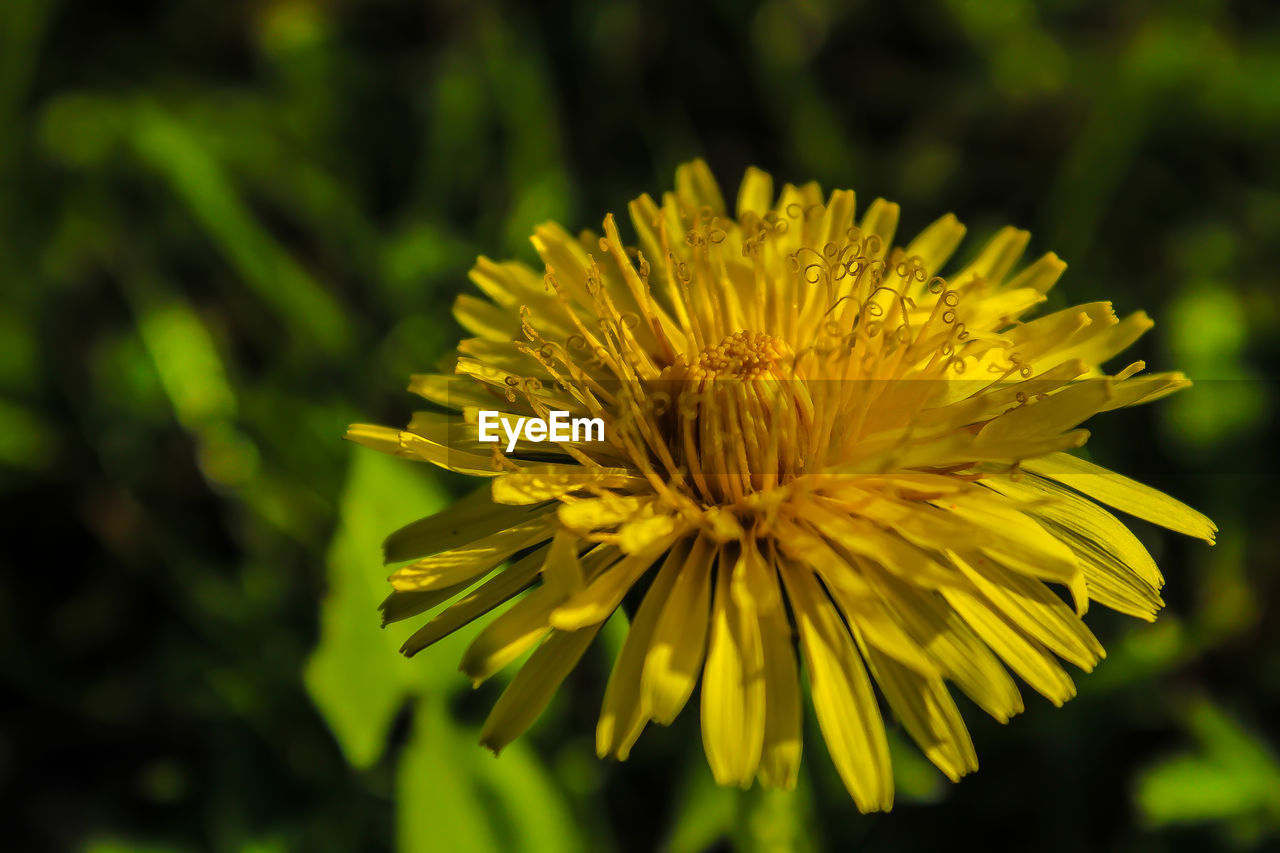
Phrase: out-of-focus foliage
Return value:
(229, 229)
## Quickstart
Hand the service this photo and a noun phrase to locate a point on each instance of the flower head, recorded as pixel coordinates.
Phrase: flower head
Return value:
(815, 443)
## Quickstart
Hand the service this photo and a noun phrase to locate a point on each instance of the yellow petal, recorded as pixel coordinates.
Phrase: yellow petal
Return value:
(756, 193)
(783, 741)
(565, 259)
(501, 381)
(637, 534)
(1056, 413)
(1146, 389)
(1107, 341)
(998, 256)
(1082, 517)
(507, 283)
(1113, 585)
(413, 446)
(999, 309)
(598, 599)
(1041, 275)
(955, 449)
(500, 354)
(1035, 609)
(1000, 397)
(842, 696)
(510, 635)
(754, 589)
(1030, 342)
(562, 570)
(399, 606)
(956, 650)
(866, 540)
(1027, 658)
(379, 438)
(927, 711)
(965, 522)
(590, 514)
(1014, 539)
(1123, 494)
(679, 640)
(481, 317)
(837, 217)
(733, 688)
(474, 559)
(859, 603)
(621, 716)
(880, 629)
(881, 220)
(448, 429)
(403, 605)
(662, 334)
(502, 587)
(937, 243)
(544, 483)
(446, 389)
(468, 520)
(527, 695)
(696, 187)
(646, 217)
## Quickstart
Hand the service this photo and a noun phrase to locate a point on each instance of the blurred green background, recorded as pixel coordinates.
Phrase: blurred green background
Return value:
(228, 229)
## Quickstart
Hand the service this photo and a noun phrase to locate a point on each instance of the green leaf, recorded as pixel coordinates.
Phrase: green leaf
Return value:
(453, 795)
(539, 816)
(438, 804)
(166, 144)
(775, 821)
(356, 676)
(1232, 776)
(757, 820)
(1190, 788)
(707, 811)
(186, 360)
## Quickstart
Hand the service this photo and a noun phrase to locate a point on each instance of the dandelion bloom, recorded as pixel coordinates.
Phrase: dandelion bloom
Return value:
(817, 449)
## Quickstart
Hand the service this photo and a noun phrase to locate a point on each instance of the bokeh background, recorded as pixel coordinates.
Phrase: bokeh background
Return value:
(229, 228)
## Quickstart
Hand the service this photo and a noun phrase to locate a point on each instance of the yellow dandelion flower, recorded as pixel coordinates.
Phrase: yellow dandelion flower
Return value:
(813, 442)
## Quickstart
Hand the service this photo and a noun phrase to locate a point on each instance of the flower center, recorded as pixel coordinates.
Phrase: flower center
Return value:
(742, 355)
(740, 416)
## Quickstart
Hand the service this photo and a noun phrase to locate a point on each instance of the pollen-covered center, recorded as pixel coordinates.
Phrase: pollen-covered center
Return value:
(740, 416)
(742, 355)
